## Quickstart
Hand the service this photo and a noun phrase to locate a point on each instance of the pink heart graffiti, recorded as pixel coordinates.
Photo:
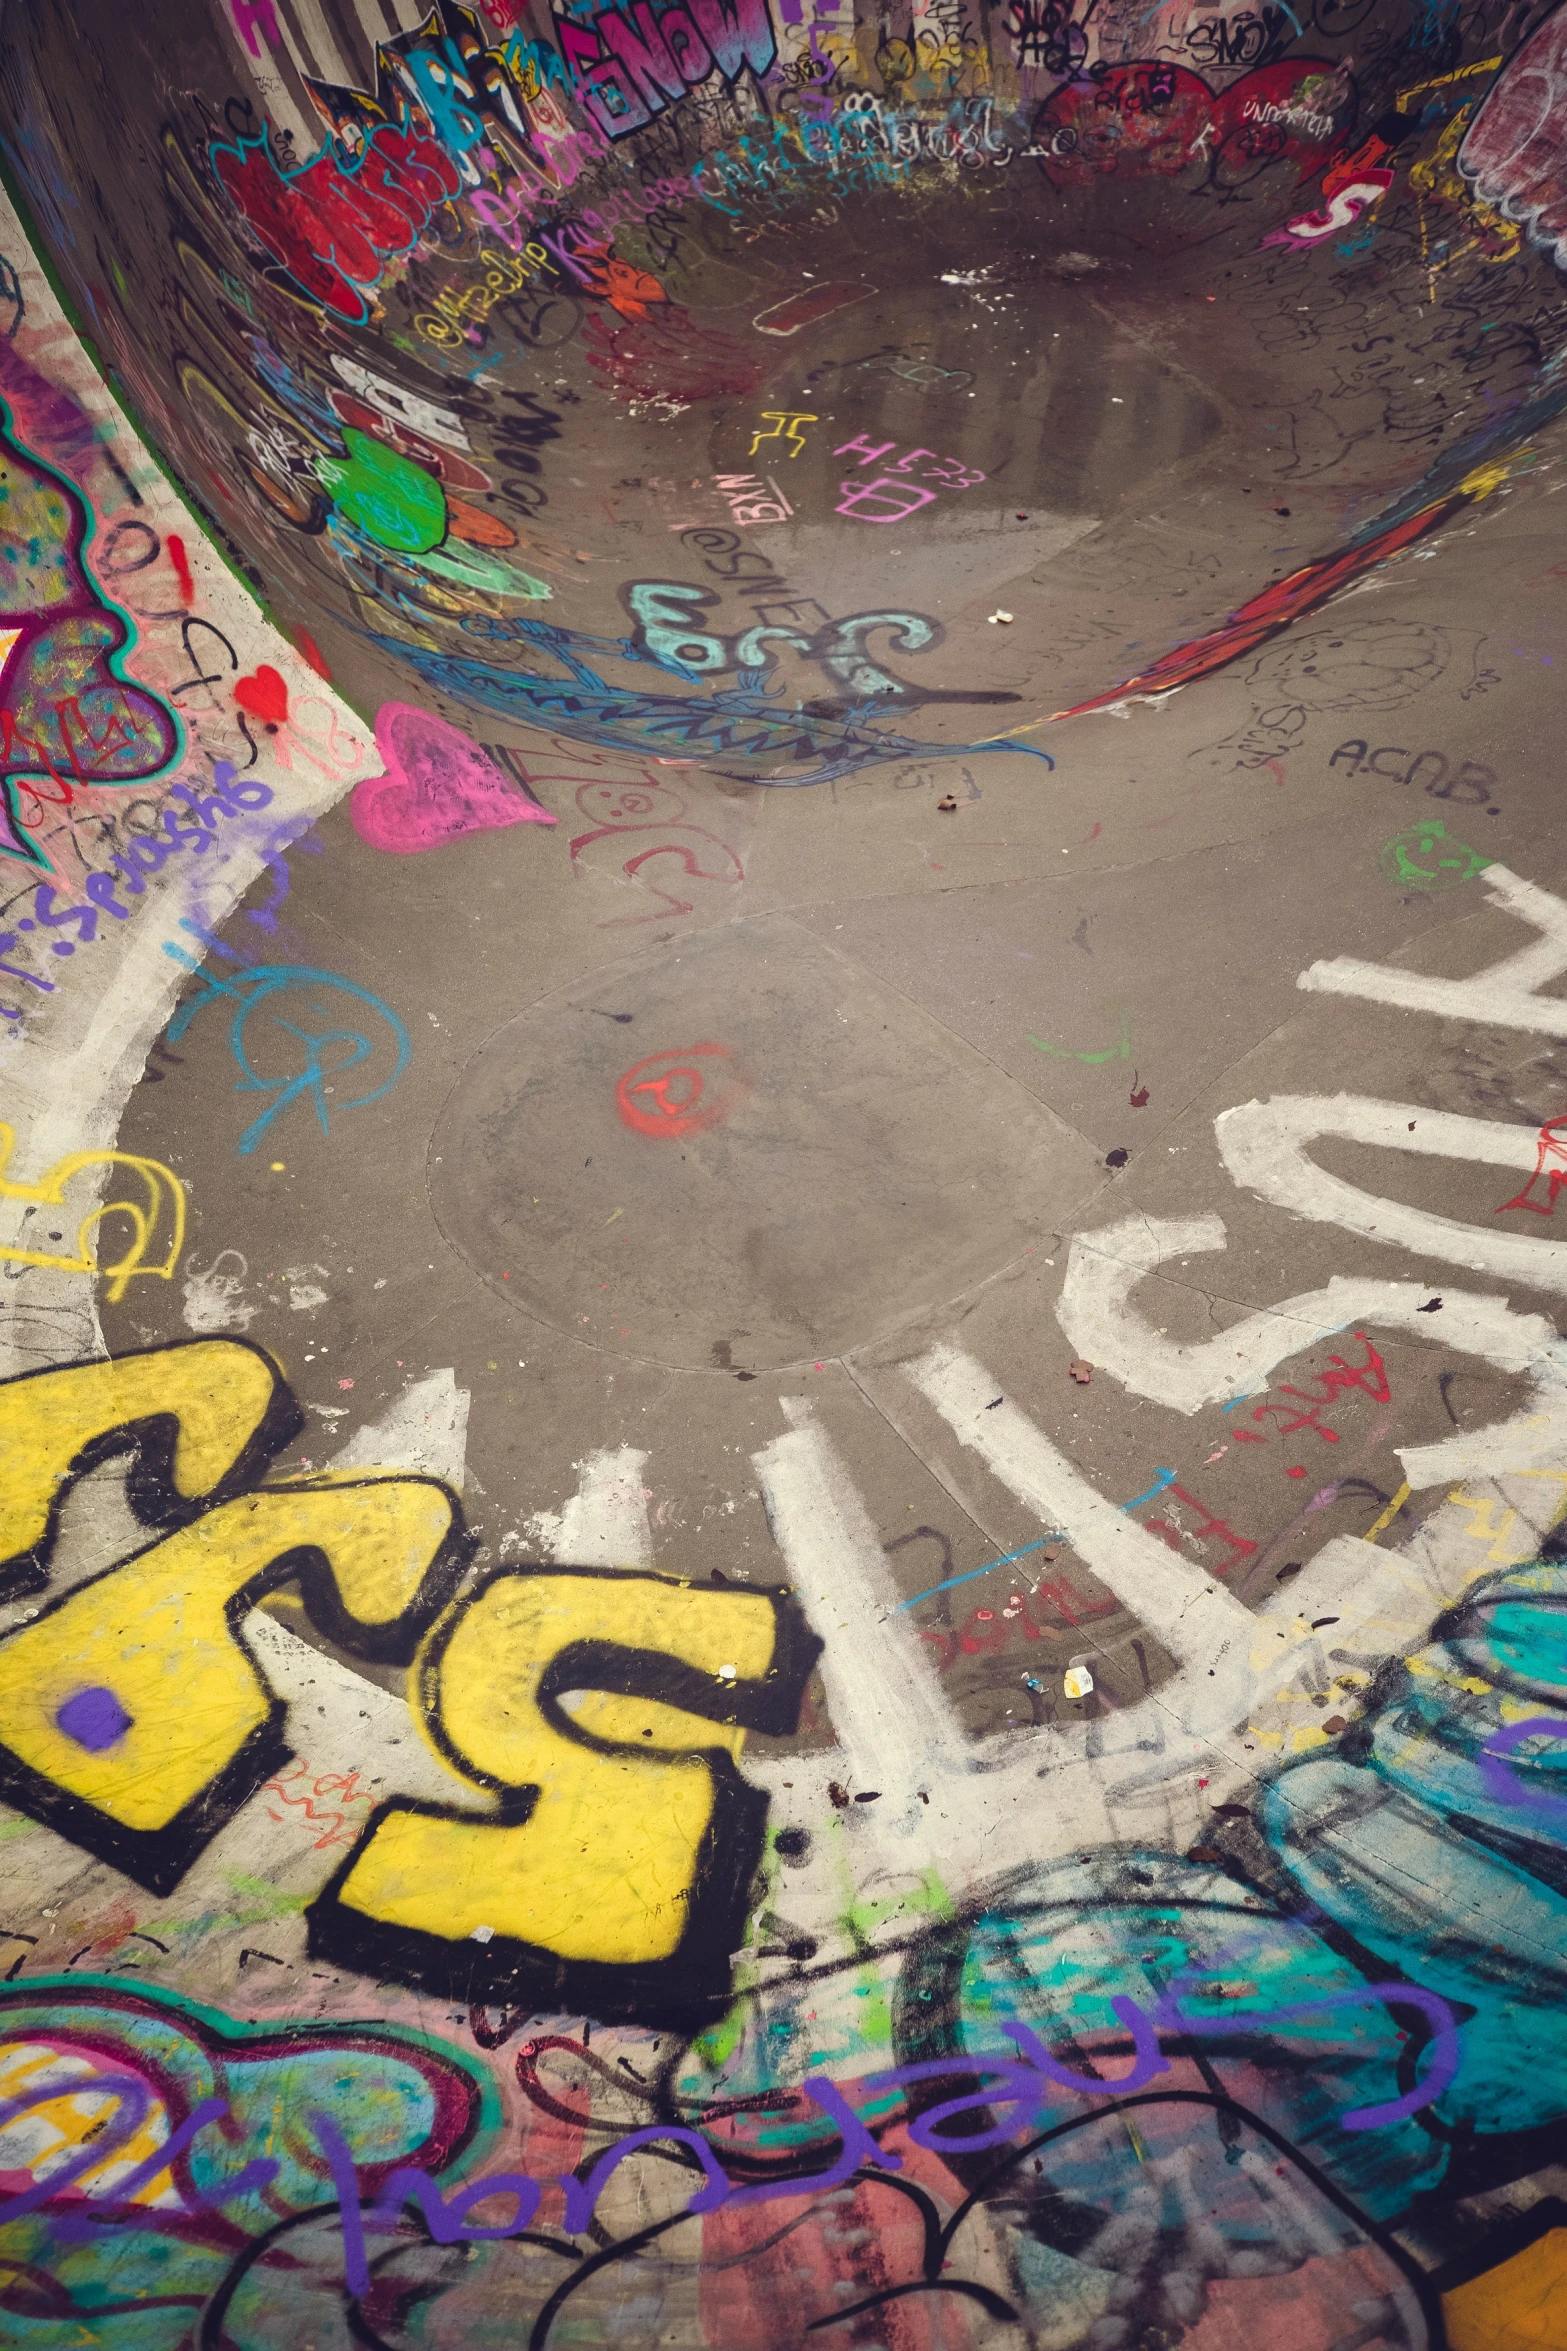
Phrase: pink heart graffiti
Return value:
(438, 786)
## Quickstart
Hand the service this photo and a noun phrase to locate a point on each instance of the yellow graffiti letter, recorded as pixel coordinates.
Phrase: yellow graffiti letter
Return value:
(203, 1417)
(606, 1711)
(134, 1719)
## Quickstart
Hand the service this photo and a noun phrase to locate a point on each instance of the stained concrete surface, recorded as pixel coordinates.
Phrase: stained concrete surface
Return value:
(817, 1038)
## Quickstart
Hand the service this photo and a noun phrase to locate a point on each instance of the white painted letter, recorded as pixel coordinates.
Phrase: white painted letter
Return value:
(1502, 997)
(1096, 1312)
(1263, 1144)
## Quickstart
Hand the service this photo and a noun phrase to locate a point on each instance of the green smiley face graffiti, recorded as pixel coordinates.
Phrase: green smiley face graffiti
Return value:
(1424, 856)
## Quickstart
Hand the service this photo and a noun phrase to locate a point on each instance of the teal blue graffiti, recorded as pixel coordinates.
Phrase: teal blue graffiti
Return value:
(258, 984)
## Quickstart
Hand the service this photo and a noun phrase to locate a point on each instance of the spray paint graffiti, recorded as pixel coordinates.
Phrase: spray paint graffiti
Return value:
(614, 1882)
(1019, 2030)
(328, 1051)
(129, 2124)
(438, 787)
(1267, 614)
(623, 1897)
(336, 230)
(737, 730)
(1511, 151)
(628, 67)
(1134, 118)
(68, 715)
(164, 1197)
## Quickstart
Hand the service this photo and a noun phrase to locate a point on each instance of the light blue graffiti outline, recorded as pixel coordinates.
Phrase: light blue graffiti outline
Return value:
(261, 982)
(584, 704)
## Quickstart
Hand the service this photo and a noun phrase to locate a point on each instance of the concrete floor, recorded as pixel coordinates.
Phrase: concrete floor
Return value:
(1090, 1612)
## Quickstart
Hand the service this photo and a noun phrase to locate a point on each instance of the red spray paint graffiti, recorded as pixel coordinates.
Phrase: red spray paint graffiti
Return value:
(670, 1094)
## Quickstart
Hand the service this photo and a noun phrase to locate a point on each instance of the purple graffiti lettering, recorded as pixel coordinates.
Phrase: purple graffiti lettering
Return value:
(1444, 2058)
(630, 64)
(77, 2227)
(345, 2179)
(1145, 2041)
(130, 2114)
(444, 2216)
(1025, 2092)
(1501, 1776)
(582, 2196)
(858, 2147)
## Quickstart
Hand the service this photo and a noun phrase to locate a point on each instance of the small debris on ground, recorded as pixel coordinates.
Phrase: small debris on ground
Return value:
(1078, 1682)
(994, 1401)
(1118, 1157)
(1081, 1372)
(1139, 1093)
(1336, 1723)
(1004, 617)
(481, 1934)
(1431, 1306)
(868, 1796)
(948, 806)
(838, 1795)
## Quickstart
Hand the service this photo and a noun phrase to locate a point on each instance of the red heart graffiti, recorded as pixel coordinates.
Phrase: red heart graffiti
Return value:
(264, 695)
(437, 787)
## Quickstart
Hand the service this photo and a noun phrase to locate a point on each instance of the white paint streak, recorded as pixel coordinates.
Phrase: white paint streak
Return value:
(1264, 1146)
(1096, 1312)
(1194, 1617)
(425, 1429)
(1502, 996)
(605, 1523)
(1235, 1666)
(893, 1723)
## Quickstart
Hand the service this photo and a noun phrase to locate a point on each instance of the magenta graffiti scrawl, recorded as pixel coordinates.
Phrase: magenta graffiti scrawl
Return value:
(67, 716)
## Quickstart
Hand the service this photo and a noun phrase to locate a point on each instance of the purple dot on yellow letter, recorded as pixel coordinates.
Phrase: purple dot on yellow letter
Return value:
(95, 1719)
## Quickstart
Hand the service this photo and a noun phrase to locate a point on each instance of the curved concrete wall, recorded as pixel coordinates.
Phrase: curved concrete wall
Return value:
(425, 320)
(782, 886)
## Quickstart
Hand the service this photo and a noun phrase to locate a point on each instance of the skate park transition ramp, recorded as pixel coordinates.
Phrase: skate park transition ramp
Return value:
(906, 650)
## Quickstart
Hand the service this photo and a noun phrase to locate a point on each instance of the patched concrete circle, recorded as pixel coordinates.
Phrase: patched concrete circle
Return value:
(742, 1155)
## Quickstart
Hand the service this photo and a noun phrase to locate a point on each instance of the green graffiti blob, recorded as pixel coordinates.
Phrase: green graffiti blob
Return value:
(397, 503)
(1424, 856)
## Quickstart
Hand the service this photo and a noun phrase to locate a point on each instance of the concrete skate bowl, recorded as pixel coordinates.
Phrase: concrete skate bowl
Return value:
(915, 579)
(702, 392)
(646, 423)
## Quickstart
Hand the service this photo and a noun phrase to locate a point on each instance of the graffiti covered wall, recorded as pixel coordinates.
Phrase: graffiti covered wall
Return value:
(609, 1728)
